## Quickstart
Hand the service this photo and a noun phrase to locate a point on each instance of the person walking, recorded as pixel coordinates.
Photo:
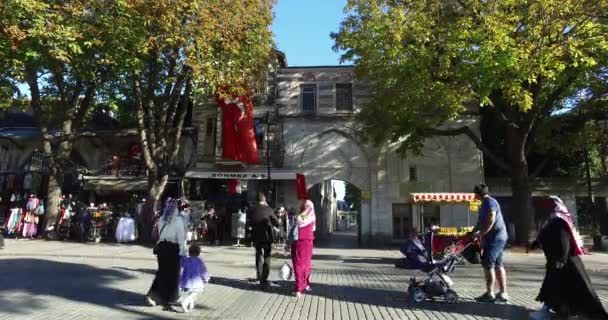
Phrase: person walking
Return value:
(170, 246)
(302, 246)
(566, 288)
(492, 229)
(263, 222)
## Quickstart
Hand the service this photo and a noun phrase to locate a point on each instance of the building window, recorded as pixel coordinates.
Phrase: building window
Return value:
(402, 220)
(344, 97)
(309, 98)
(413, 173)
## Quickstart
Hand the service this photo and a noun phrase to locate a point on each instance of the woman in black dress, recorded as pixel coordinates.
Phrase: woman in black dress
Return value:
(170, 247)
(566, 288)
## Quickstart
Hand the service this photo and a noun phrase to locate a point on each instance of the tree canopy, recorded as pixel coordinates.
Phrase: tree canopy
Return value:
(431, 62)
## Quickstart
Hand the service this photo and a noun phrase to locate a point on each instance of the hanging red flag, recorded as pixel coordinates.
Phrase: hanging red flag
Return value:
(301, 186)
(232, 184)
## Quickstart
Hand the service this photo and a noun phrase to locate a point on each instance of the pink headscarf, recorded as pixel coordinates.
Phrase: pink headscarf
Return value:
(559, 211)
(307, 216)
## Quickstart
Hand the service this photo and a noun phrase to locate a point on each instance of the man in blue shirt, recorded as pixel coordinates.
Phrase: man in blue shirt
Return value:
(492, 229)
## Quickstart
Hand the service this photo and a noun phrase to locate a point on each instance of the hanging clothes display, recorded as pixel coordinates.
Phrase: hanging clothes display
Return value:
(36, 183)
(10, 182)
(239, 220)
(13, 224)
(30, 219)
(27, 182)
(125, 230)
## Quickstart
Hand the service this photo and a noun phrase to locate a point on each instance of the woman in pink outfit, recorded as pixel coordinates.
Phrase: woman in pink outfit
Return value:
(301, 249)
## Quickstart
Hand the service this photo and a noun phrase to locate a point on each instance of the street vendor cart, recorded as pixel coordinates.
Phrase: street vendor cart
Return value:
(441, 239)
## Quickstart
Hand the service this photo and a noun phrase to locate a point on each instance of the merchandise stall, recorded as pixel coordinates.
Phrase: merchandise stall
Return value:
(443, 236)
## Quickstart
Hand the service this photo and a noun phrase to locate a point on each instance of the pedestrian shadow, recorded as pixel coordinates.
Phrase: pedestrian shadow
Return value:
(386, 261)
(139, 270)
(30, 279)
(386, 298)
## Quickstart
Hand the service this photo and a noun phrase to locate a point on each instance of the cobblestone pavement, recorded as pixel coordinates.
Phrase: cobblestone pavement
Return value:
(63, 280)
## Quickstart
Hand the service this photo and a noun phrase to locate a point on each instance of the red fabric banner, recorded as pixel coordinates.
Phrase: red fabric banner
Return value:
(238, 134)
(301, 186)
(232, 184)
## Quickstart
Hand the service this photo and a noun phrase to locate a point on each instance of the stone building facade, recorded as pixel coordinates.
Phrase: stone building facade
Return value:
(311, 112)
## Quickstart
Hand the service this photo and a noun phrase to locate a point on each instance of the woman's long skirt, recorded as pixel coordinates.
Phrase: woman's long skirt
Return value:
(164, 289)
(301, 256)
(568, 291)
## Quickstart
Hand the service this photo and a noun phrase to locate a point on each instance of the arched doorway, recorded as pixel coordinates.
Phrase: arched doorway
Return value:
(324, 154)
(338, 209)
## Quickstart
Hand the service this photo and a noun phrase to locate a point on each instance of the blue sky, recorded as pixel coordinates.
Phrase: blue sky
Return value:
(302, 28)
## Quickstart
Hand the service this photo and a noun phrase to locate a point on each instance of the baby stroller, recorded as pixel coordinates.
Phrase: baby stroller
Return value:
(437, 283)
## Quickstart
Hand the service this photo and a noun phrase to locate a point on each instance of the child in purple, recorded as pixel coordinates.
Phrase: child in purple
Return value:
(193, 278)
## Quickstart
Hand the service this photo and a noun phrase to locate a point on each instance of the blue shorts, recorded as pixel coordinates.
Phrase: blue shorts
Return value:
(491, 257)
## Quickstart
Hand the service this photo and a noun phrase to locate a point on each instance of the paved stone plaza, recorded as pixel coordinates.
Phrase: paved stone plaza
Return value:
(63, 280)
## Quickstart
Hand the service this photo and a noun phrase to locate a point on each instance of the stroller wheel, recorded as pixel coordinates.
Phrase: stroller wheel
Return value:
(418, 295)
(451, 296)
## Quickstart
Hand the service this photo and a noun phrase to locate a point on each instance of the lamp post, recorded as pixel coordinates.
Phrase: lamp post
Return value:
(268, 164)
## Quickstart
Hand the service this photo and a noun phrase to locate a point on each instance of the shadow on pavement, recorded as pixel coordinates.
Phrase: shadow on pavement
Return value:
(386, 298)
(69, 281)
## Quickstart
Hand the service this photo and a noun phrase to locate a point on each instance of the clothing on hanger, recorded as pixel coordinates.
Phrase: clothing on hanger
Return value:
(27, 182)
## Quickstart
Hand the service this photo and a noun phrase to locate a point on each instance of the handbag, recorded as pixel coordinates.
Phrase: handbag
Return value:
(155, 250)
(286, 271)
(40, 209)
(293, 233)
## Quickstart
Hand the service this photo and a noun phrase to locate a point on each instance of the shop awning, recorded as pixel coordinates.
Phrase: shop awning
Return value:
(251, 174)
(116, 185)
(442, 197)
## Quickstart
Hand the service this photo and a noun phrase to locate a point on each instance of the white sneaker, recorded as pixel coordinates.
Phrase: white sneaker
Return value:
(150, 301)
(186, 305)
(542, 314)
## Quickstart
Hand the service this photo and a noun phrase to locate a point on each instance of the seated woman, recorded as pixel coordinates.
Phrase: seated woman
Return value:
(416, 256)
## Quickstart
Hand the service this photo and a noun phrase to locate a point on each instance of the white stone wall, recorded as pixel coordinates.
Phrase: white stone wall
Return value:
(323, 147)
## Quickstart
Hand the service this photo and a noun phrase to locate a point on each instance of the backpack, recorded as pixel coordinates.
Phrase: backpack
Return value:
(40, 209)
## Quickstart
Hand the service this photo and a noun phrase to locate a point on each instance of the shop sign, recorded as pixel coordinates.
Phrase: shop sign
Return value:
(474, 206)
(238, 175)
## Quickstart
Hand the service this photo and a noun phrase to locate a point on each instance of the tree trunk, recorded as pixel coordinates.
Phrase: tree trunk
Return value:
(53, 199)
(156, 184)
(521, 213)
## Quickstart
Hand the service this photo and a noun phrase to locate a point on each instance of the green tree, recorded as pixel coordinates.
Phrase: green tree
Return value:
(432, 62)
(183, 52)
(352, 196)
(62, 51)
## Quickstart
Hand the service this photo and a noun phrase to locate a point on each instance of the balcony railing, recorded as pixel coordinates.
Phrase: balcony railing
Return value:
(120, 168)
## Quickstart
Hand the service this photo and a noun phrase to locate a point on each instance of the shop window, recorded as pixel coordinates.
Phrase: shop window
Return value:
(402, 220)
(344, 97)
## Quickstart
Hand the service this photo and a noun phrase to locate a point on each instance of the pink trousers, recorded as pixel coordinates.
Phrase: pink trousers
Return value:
(301, 256)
